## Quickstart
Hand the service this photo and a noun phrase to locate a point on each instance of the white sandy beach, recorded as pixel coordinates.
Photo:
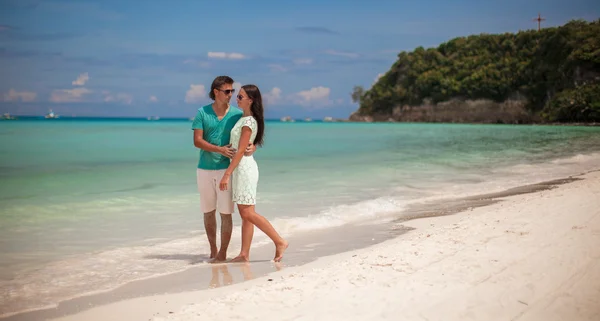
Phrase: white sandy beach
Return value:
(530, 257)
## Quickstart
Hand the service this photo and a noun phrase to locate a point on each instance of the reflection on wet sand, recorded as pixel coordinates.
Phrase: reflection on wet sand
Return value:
(223, 269)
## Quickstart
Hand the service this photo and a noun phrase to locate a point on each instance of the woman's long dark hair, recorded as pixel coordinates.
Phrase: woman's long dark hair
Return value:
(257, 111)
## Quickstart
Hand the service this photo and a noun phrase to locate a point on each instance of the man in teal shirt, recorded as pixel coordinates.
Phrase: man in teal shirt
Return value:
(212, 130)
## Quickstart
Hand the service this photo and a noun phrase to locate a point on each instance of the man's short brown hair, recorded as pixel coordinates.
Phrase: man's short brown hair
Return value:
(217, 83)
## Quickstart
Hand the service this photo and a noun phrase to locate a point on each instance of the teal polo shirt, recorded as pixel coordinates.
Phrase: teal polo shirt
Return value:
(216, 132)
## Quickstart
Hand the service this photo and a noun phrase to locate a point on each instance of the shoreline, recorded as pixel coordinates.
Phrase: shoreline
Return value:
(178, 284)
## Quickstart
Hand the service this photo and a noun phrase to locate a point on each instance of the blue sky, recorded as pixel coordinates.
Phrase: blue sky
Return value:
(141, 58)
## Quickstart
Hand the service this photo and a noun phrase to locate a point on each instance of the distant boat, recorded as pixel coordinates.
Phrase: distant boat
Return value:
(308, 119)
(153, 118)
(7, 116)
(51, 115)
(287, 119)
(328, 119)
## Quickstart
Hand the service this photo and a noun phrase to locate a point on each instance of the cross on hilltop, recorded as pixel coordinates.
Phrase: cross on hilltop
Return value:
(539, 20)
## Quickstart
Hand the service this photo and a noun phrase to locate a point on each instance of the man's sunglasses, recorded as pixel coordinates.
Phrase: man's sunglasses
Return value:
(227, 91)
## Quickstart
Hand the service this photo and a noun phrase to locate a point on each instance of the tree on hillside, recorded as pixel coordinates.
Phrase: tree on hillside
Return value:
(536, 65)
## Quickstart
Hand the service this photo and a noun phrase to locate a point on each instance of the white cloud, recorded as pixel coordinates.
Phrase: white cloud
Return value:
(314, 95)
(394, 51)
(68, 95)
(237, 86)
(273, 96)
(153, 99)
(202, 64)
(302, 61)
(342, 53)
(277, 67)
(25, 96)
(195, 94)
(81, 80)
(225, 55)
(119, 98)
(72, 95)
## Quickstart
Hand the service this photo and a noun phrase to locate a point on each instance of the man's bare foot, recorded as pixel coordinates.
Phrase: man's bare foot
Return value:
(213, 253)
(279, 249)
(240, 258)
(219, 258)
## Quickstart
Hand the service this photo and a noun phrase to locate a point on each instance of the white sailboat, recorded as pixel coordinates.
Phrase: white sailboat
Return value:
(7, 116)
(51, 115)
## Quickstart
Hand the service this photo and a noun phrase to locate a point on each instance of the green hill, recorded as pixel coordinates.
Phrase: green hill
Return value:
(552, 75)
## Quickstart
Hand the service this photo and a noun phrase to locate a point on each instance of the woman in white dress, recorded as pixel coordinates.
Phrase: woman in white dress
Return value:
(243, 172)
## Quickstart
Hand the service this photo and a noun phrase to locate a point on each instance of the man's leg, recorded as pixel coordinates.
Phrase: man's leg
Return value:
(226, 231)
(225, 207)
(210, 225)
(208, 203)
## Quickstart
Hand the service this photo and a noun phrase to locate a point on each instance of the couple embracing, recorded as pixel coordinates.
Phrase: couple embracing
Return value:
(227, 172)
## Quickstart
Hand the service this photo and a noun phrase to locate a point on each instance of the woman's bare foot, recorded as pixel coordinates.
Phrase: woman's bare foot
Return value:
(279, 249)
(240, 258)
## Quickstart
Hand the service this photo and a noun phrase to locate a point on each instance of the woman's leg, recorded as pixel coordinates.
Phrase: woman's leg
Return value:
(247, 234)
(247, 212)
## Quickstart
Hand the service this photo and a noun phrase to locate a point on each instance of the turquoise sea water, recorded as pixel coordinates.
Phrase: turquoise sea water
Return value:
(84, 204)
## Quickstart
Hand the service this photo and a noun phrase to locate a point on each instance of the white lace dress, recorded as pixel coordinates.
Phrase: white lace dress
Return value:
(244, 179)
